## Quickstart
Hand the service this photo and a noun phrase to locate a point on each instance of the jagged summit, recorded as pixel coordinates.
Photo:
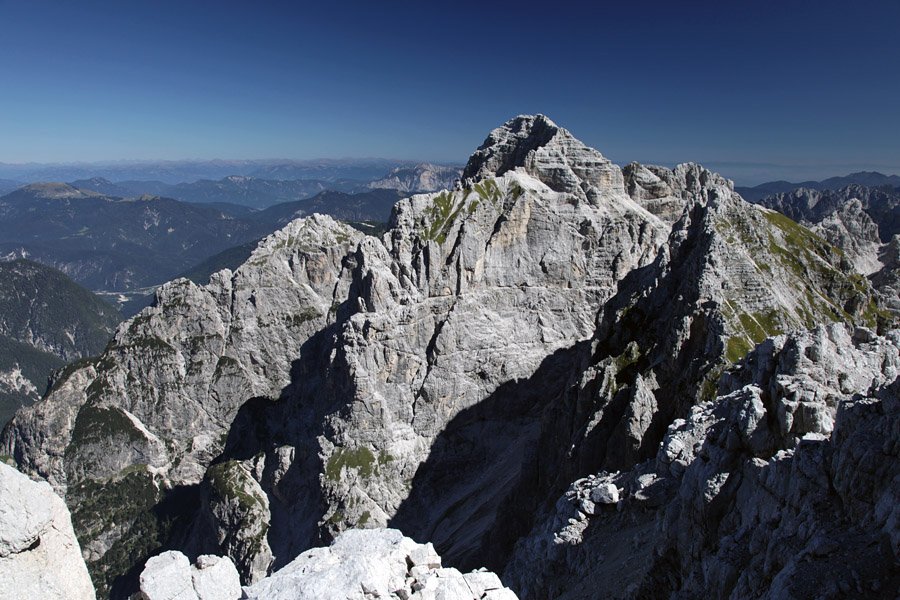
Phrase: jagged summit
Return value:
(548, 153)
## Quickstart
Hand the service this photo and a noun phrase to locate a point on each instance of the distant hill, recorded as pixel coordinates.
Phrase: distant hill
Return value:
(123, 248)
(256, 193)
(46, 320)
(367, 212)
(362, 170)
(24, 374)
(374, 205)
(863, 178)
(101, 185)
(423, 177)
(154, 188)
(112, 244)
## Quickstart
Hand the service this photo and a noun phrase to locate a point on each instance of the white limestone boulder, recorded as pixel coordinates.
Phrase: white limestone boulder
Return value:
(39, 554)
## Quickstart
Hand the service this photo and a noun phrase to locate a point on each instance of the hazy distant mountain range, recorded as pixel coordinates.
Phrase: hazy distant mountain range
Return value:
(260, 193)
(863, 178)
(111, 244)
(419, 178)
(549, 370)
(174, 172)
(116, 245)
(235, 189)
(8, 185)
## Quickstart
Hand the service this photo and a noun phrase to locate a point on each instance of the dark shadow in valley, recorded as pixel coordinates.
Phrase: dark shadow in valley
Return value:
(478, 490)
(173, 524)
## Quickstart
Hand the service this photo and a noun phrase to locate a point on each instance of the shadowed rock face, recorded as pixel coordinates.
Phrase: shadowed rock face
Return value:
(783, 486)
(531, 326)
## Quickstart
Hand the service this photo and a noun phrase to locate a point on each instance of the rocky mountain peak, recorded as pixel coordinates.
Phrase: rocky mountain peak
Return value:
(548, 153)
(547, 318)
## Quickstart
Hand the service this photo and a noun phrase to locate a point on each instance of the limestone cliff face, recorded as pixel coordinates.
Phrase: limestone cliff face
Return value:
(547, 318)
(154, 410)
(861, 221)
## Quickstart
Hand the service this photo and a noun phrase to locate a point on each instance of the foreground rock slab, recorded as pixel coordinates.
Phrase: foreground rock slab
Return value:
(39, 555)
(375, 563)
(170, 576)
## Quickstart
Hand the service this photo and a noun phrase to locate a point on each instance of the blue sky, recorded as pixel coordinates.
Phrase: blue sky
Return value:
(757, 91)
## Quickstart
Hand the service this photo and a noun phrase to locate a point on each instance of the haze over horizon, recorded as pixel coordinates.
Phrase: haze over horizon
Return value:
(757, 93)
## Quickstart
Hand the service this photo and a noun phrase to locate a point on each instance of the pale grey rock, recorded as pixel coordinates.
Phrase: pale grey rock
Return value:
(551, 155)
(14, 382)
(852, 230)
(500, 594)
(39, 555)
(419, 178)
(215, 578)
(375, 563)
(860, 220)
(173, 379)
(887, 279)
(170, 576)
(664, 192)
(482, 581)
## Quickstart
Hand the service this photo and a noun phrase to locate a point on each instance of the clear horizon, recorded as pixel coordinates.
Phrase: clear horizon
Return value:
(757, 93)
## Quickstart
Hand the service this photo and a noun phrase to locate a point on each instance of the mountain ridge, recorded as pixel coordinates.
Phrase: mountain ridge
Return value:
(862, 178)
(548, 317)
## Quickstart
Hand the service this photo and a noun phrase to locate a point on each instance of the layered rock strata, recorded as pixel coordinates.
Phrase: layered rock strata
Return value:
(861, 221)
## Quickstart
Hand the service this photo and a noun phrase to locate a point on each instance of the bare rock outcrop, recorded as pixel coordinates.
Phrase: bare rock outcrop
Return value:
(860, 220)
(783, 486)
(375, 563)
(170, 576)
(155, 409)
(39, 555)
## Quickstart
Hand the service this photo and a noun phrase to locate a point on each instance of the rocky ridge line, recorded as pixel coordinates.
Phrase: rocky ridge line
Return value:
(533, 325)
(780, 487)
